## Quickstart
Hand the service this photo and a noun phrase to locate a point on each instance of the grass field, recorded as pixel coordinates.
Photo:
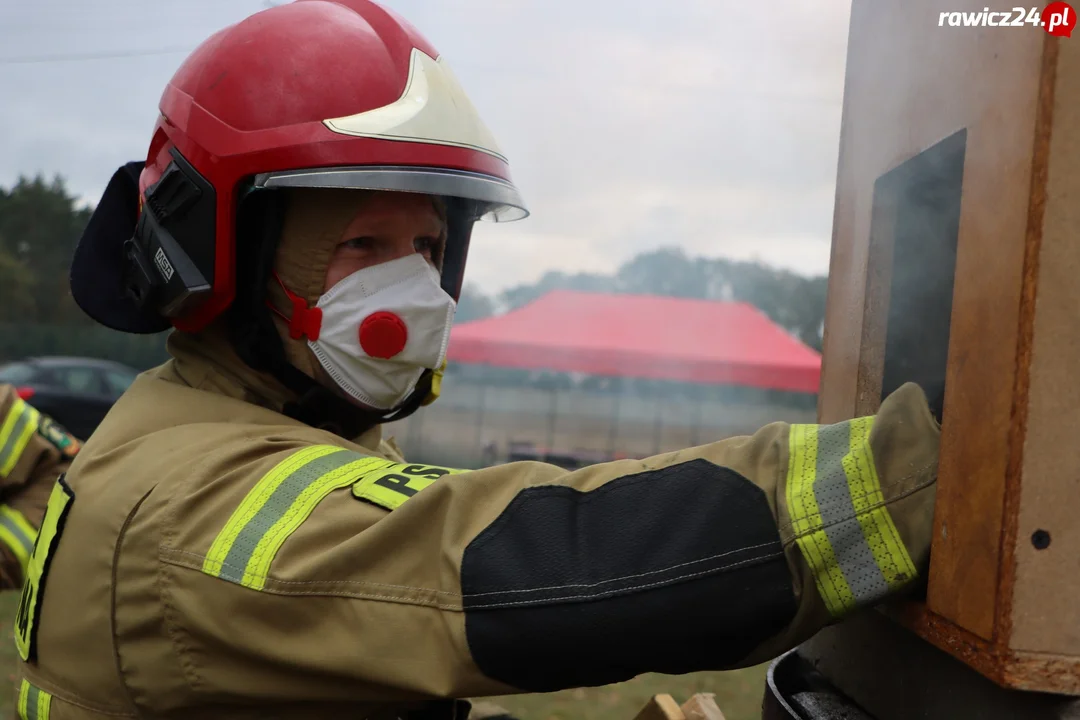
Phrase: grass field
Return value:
(738, 693)
(9, 602)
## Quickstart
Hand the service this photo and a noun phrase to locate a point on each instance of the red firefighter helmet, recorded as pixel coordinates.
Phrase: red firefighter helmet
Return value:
(315, 93)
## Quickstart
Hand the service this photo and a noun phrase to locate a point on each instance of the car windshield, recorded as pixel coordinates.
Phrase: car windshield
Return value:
(88, 378)
(78, 380)
(16, 373)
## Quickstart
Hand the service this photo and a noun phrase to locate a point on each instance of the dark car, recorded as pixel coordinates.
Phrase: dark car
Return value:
(75, 392)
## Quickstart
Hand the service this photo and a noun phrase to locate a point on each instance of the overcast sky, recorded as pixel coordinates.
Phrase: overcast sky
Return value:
(707, 124)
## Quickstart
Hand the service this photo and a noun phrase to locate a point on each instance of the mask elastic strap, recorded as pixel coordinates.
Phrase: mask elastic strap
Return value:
(304, 321)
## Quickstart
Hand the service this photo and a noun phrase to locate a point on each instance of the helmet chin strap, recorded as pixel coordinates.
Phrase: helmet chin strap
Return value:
(256, 340)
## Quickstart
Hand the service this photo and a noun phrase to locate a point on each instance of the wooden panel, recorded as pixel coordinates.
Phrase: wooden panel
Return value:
(1045, 615)
(871, 355)
(911, 84)
(1005, 562)
(847, 260)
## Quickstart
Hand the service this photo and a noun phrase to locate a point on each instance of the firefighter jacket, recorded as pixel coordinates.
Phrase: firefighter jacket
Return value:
(208, 557)
(34, 451)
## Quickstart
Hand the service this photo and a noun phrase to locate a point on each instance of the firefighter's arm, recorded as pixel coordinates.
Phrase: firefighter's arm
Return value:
(34, 451)
(409, 583)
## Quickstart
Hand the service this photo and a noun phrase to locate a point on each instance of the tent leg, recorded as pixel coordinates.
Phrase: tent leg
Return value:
(658, 428)
(480, 421)
(695, 436)
(613, 431)
(551, 422)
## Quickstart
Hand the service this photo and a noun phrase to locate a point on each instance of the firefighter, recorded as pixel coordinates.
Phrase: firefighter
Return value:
(238, 539)
(34, 451)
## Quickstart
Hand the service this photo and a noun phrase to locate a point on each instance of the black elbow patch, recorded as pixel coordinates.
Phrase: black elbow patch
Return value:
(670, 571)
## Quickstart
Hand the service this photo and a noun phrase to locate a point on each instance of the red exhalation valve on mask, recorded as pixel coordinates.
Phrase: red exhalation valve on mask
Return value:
(383, 335)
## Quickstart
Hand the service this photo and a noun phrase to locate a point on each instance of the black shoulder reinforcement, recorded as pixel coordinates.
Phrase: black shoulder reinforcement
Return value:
(671, 571)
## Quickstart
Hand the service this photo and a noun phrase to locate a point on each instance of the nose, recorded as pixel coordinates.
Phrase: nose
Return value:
(403, 246)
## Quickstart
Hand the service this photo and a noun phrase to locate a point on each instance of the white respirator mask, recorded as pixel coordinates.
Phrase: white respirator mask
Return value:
(376, 331)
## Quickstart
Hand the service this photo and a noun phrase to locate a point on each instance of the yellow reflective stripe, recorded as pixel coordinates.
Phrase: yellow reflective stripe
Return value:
(17, 533)
(837, 512)
(259, 565)
(15, 433)
(393, 484)
(274, 509)
(877, 525)
(34, 704)
(36, 570)
(253, 501)
(807, 523)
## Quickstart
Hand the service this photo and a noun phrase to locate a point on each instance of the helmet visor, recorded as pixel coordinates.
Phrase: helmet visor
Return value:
(496, 199)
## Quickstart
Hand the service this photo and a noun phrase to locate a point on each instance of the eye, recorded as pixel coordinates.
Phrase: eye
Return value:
(359, 243)
(426, 244)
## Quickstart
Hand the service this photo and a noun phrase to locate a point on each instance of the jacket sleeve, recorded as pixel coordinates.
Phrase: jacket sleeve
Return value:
(321, 571)
(34, 451)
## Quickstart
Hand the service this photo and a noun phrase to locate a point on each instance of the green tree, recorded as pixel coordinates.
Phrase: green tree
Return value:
(554, 280)
(667, 271)
(40, 225)
(794, 302)
(16, 289)
(473, 305)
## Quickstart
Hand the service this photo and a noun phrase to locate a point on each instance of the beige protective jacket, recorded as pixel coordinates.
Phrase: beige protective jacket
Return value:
(208, 557)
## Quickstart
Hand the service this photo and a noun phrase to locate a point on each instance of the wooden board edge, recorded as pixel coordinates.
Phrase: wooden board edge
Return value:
(1010, 669)
(702, 706)
(1040, 169)
(661, 707)
(836, 393)
(1042, 672)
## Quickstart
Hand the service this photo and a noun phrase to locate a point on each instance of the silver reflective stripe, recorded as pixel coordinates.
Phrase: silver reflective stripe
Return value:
(32, 697)
(26, 542)
(280, 502)
(838, 516)
(33, 704)
(503, 202)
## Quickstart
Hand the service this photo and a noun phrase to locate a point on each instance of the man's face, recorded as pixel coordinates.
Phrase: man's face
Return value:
(387, 226)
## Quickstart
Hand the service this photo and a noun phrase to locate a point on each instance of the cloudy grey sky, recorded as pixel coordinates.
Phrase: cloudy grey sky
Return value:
(708, 124)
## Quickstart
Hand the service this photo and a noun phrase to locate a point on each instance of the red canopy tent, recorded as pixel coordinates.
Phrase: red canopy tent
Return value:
(642, 336)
